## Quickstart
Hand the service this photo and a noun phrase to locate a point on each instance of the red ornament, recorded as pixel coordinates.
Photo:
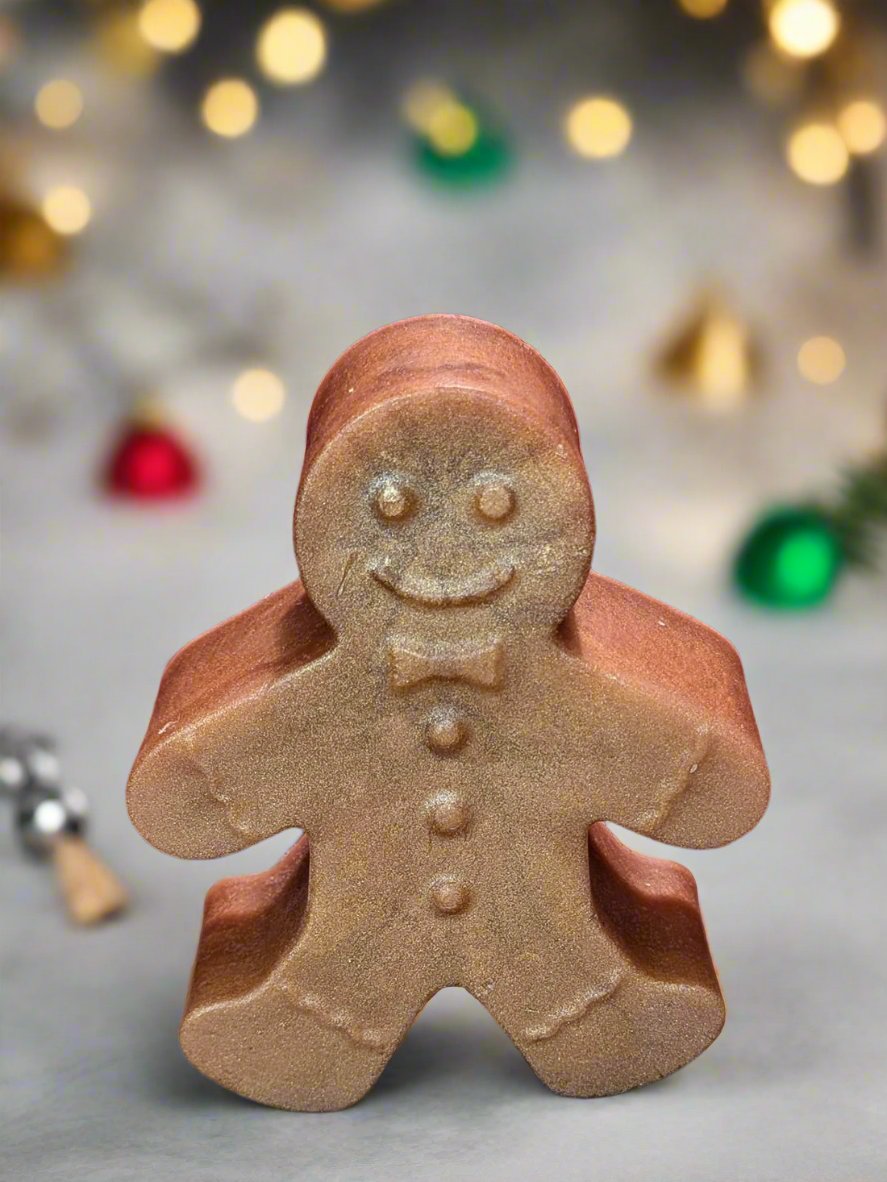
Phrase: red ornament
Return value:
(149, 463)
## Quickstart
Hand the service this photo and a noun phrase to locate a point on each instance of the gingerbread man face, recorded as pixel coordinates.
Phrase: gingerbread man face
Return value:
(436, 504)
(452, 707)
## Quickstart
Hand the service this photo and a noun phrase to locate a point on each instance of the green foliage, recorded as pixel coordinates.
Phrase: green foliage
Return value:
(860, 510)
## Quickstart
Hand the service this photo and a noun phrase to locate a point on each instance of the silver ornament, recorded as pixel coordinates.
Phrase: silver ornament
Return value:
(13, 773)
(44, 815)
(26, 759)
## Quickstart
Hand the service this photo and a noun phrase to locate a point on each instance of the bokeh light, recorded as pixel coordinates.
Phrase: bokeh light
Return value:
(120, 44)
(291, 47)
(703, 9)
(66, 209)
(598, 127)
(169, 25)
(863, 125)
(771, 76)
(230, 107)
(816, 153)
(59, 104)
(422, 100)
(804, 28)
(434, 111)
(821, 360)
(258, 395)
(452, 129)
(352, 5)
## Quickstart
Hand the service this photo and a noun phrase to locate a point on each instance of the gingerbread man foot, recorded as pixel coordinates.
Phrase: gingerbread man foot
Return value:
(642, 1032)
(633, 1000)
(278, 1018)
(287, 1050)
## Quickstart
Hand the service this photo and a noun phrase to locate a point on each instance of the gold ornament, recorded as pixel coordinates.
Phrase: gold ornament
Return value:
(29, 247)
(712, 355)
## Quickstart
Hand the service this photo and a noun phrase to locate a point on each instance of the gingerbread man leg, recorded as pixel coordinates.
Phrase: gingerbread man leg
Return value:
(277, 1022)
(654, 1002)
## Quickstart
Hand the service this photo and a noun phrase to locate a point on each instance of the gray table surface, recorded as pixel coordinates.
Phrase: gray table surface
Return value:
(96, 597)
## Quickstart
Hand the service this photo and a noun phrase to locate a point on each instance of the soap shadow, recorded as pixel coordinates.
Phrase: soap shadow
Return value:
(457, 1045)
(780, 1012)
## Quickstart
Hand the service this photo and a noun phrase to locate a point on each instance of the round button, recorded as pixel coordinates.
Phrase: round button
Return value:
(444, 731)
(449, 814)
(449, 895)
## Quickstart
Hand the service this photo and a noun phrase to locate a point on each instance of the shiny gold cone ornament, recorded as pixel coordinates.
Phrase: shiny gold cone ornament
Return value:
(29, 247)
(712, 356)
(91, 891)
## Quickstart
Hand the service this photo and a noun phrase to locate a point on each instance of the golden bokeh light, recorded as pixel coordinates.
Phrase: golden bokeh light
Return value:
(230, 107)
(863, 125)
(352, 5)
(821, 360)
(452, 129)
(66, 209)
(258, 395)
(59, 104)
(817, 154)
(121, 46)
(435, 112)
(770, 75)
(703, 9)
(804, 28)
(291, 47)
(598, 127)
(422, 100)
(169, 25)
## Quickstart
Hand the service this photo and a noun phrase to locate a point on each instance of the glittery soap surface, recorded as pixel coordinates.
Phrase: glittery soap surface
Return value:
(452, 707)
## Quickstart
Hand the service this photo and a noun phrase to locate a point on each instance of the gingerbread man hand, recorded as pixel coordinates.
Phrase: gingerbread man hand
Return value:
(451, 707)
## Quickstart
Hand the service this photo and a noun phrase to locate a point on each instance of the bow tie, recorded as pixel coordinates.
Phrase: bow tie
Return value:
(410, 663)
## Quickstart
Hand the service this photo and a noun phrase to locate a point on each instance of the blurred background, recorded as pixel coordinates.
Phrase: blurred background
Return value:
(681, 204)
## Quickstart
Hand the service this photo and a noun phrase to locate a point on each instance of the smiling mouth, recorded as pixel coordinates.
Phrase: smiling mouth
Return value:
(430, 592)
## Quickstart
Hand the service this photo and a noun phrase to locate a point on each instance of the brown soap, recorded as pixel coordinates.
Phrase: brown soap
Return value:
(451, 706)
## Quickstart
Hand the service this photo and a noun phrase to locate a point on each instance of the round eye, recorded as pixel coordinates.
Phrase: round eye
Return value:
(495, 500)
(393, 500)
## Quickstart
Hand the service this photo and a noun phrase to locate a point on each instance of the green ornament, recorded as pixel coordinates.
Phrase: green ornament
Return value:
(486, 158)
(791, 559)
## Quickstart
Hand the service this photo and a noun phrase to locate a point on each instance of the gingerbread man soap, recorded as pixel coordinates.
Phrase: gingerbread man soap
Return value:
(452, 707)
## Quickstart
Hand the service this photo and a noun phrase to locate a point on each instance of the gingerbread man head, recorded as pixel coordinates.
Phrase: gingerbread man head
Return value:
(442, 475)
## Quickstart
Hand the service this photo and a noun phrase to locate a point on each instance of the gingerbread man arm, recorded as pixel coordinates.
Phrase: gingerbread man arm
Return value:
(682, 760)
(218, 768)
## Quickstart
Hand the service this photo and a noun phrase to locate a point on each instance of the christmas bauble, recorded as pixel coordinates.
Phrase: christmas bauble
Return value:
(150, 463)
(790, 559)
(485, 160)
